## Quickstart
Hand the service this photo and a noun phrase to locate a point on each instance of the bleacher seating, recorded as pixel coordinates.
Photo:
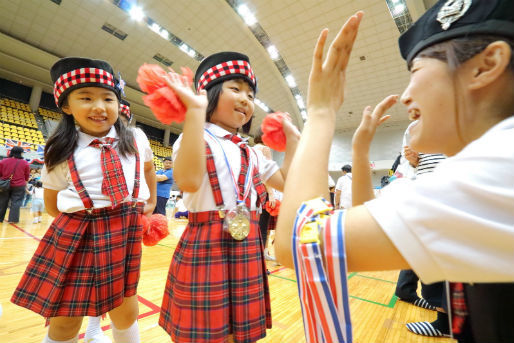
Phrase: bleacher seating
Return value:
(18, 123)
(49, 114)
(159, 152)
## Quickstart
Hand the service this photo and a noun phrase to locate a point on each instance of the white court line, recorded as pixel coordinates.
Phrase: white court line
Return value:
(22, 237)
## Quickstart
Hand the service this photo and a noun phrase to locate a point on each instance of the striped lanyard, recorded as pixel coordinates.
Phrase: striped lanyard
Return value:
(246, 189)
(322, 285)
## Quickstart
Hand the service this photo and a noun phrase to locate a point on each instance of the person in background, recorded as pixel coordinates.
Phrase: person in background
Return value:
(164, 179)
(344, 188)
(16, 168)
(38, 205)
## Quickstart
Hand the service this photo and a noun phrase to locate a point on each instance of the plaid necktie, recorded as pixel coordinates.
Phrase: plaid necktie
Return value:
(114, 184)
(459, 308)
(245, 154)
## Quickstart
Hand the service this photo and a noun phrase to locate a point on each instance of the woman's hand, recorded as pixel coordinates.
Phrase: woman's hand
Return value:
(370, 121)
(327, 78)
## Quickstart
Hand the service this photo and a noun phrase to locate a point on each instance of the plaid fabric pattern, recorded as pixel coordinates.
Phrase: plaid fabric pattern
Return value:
(225, 68)
(85, 264)
(88, 261)
(216, 285)
(125, 110)
(114, 184)
(459, 307)
(82, 75)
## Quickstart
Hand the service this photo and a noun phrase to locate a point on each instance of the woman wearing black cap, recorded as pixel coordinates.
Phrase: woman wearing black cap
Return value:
(18, 170)
(458, 225)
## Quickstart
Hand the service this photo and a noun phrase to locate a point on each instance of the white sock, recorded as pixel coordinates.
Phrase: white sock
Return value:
(93, 326)
(129, 335)
(48, 340)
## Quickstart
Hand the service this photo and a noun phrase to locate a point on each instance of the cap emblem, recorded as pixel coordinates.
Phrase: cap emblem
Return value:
(451, 11)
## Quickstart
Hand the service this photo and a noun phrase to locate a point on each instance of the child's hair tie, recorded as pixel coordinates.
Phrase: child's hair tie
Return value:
(162, 100)
(273, 131)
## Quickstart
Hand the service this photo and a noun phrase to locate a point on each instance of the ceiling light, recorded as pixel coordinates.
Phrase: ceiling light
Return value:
(304, 114)
(399, 8)
(273, 52)
(247, 15)
(299, 101)
(155, 28)
(164, 34)
(137, 13)
(262, 105)
(290, 81)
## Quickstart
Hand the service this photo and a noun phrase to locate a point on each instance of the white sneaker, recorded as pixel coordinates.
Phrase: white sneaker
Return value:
(98, 338)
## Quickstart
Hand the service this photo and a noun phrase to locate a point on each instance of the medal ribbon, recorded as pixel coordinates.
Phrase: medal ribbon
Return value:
(246, 188)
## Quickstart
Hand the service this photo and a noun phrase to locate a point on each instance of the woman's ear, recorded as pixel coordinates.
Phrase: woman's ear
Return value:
(66, 109)
(489, 65)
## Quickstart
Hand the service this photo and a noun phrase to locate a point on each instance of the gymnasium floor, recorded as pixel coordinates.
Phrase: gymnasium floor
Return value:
(377, 316)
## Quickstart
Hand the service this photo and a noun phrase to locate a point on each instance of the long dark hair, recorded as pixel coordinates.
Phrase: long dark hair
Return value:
(16, 152)
(63, 141)
(213, 96)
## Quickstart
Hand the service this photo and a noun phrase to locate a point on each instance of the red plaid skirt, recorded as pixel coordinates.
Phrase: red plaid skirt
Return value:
(216, 285)
(85, 264)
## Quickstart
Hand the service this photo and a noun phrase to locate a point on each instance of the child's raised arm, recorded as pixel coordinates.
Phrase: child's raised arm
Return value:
(189, 165)
(362, 188)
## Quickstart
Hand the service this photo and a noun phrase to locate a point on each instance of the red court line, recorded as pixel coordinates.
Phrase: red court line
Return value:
(154, 308)
(277, 270)
(26, 232)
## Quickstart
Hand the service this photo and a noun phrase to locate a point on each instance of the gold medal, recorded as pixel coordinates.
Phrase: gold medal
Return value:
(237, 222)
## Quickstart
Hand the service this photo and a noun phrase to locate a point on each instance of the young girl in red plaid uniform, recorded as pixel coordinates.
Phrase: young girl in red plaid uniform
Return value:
(217, 288)
(97, 178)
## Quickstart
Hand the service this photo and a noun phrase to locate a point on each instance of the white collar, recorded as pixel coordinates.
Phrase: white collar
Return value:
(85, 139)
(221, 132)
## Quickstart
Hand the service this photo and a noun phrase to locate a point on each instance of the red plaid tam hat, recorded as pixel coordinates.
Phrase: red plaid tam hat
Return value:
(125, 109)
(76, 72)
(224, 66)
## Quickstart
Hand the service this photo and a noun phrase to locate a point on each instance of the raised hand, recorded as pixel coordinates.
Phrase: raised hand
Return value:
(181, 87)
(370, 121)
(327, 78)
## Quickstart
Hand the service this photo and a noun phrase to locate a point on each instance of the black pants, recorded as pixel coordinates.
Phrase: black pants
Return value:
(491, 313)
(408, 283)
(263, 225)
(15, 195)
(160, 207)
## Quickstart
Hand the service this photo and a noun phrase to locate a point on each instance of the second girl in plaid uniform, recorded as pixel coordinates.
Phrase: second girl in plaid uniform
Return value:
(217, 288)
(97, 178)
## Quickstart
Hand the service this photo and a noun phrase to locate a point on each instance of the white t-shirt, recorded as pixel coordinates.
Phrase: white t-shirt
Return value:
(344, 184)
(457, 223)
(203, 199)
(87, 160)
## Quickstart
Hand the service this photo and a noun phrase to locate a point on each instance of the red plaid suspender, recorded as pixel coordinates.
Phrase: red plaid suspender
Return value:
(213, 178)
(81, 190)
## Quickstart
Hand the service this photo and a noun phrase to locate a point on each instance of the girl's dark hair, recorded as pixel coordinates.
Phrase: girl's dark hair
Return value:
(258, 136)
(457, 51)
(16, 152)
(213, 96)
(63, 141)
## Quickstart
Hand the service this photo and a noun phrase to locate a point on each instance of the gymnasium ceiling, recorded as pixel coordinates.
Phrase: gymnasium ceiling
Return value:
(35, 33)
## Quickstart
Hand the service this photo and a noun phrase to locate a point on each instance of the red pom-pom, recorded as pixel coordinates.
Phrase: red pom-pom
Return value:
(273, 131)
(156, 229)
(162, 100)
(165, 105)
(273, 211)
(150, 77)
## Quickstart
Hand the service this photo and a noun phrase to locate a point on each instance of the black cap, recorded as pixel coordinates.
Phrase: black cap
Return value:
(224, 66)
(76, 72)
(449, 19)
(125, 109)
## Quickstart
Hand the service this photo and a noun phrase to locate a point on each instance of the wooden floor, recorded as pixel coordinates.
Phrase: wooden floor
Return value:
(376, 314)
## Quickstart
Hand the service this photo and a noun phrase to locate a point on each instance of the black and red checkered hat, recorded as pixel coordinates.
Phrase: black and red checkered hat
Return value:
(125, 108)
(76, 72)
(224, 66)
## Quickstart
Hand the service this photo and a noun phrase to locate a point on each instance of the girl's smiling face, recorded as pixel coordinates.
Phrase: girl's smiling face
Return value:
(235, 105)
(95, 109)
